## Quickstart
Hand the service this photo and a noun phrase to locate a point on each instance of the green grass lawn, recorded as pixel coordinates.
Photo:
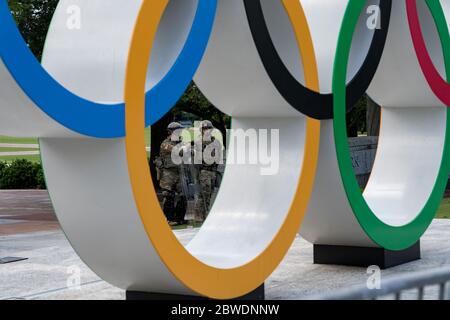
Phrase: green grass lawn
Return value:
(444, 210)
(17, 149)
(147, 137)
(33, 158)
(13, 140)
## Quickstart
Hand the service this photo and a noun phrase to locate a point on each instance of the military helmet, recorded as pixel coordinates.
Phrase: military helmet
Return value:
(174, 126)
(206, 124)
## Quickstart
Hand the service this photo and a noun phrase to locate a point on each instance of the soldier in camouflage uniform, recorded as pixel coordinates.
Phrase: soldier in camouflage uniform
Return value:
(207, 171)
(169, 175)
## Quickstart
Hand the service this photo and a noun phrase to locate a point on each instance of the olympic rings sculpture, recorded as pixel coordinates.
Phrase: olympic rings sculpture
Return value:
(270, 65)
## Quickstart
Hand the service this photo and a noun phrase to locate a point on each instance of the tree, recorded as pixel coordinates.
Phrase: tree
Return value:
(194, 102)
(373, 118)
(356, 118)
(364, 117)
(33, 18)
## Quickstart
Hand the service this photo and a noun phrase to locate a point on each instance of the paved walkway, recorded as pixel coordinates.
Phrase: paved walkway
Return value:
(28, 228)
(23, 211)
(46, 274)
(19, 145)
(19, 153)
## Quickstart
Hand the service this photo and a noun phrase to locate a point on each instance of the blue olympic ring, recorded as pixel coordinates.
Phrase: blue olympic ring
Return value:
(95, 119)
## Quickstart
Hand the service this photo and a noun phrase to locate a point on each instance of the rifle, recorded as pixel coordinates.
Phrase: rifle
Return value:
(188, 188)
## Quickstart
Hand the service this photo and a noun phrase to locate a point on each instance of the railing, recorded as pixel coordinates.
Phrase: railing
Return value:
(395, 286)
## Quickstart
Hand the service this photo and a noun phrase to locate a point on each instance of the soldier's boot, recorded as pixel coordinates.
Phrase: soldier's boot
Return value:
(179, 209)
(169, 204)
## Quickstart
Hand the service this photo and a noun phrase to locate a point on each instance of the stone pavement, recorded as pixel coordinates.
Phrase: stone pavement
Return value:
(51, 262)
(28, 228)
(23, 211)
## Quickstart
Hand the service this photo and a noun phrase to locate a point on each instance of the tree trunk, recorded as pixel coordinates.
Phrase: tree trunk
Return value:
(373, 118)
(352, 127)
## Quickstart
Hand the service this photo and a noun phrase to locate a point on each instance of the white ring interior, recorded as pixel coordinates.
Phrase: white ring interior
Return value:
(411, 144)
(250, 207)
(91, 61)
(407, 163)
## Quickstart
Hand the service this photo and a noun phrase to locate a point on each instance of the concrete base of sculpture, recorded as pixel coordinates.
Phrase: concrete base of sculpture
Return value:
(257, 294)
(364, 257)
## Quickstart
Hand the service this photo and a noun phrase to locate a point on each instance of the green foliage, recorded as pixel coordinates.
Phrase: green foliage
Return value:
(33, 19)
(444, 210)
(3, 166)
(21, 174)
(194, 102)
(356, 118)
(40, 178)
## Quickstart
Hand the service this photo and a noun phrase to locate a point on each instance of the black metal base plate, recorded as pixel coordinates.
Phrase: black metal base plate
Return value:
(11, 260)
(258, 294)
(364, 257)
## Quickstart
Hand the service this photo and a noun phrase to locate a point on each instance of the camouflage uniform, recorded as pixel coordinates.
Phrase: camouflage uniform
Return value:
(207, 180)
(168, 176)
(207, 175)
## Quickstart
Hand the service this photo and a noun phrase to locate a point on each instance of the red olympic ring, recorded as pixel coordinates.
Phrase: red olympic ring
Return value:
(438, 85)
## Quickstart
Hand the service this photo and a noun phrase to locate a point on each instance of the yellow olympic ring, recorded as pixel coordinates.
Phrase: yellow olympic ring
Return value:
(198, 276)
